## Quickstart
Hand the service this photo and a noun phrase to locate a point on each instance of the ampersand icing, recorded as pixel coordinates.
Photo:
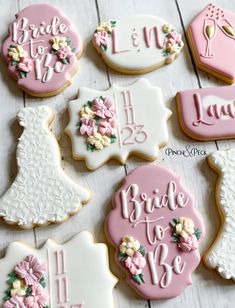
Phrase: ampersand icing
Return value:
(41, 50)
(118, 122)
(156, 231)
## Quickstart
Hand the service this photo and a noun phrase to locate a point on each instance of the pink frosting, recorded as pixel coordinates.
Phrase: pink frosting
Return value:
(150, 198)
(41, 15)
(188, 243)
(222, 46)
(217, 128)
(103, 108)
(88, 127)
(15, 301)
(38, 297)
(30, 269)
(136, 263)
(101, 38)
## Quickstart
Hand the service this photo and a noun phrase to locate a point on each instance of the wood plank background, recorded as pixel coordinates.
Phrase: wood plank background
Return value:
(208, 289)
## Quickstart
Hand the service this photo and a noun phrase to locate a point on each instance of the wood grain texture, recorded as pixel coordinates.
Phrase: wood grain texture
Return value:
(208, 289)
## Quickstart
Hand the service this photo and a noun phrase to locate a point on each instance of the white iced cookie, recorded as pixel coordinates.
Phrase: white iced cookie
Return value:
(137, 44)
(73, 275)
(41, 193)
(221, 255)
(118, 122)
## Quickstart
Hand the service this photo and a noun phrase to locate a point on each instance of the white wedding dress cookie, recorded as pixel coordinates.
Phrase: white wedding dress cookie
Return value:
(221, 256)
(41, 193)
(73, 275)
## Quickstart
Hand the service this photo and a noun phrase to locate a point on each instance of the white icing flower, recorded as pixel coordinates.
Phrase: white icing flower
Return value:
(87, 113)
(184, 227)
(166, 28)
(129, 245)
(104, 26)
(99, 141)
(171, 48)
(19, 288)
(16, 52)
(58, 42)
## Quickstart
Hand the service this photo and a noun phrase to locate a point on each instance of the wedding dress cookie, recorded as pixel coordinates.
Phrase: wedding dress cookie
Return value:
(138, 44)
(156, 230)
(41, 192)
(73, 275)
(118, 122)
(42, 50)
(221, 255)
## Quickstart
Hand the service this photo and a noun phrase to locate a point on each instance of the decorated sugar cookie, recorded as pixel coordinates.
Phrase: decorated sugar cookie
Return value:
(137, 44)
(221, 255)
(72, 275)
(156, 231)
(118, 122)
(211, 36)
(207, 114)
(41, 193)
(41, 50)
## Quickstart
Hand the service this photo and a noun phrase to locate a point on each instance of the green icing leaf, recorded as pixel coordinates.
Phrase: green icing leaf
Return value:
(113, 138)
(53, 51)
(122, 256)
(7, 294)
(174, 222)
(15, 63)
(65, 61)
(42, 282)
(197, 233)
(104, 47)
(101, 97)
(27, 292)
(78, 125)
(89, 103)
(137, 279)
(176, 237)
(142, 277)
(73, 49)
(23, 74)
(91, 147)
(142, 250)
(113, 23)
(12, 46)
(12, 277)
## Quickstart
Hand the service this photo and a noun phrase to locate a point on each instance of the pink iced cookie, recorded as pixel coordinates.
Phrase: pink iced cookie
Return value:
(212, 35)
(155, 229)
(42, 50)
(207, 114)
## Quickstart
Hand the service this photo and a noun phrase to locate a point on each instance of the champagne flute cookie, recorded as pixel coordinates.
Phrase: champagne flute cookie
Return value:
(156, 231)
(73, 275)
(41, 192)
(42, 50)
(137, 44)
(118, 122)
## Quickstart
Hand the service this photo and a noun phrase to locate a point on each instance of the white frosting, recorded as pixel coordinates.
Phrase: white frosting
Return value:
(133, 52)
(149, 113)
(42, 192)
(86, 273)
(222, 254)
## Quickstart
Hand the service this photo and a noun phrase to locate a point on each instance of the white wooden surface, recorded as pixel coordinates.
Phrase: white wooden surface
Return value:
(208, 289)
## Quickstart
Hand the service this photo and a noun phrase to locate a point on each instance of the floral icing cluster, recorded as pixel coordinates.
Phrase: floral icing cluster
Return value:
(173, 41)
(103, 33)
(19, 59)
(63, 48)
(185, 234)
(26, 285)
(98, 123)
(132, 254)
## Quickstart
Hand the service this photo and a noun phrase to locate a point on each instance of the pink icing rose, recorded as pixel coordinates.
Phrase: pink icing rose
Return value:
(15, 301)
(135, 263)
(188, 243)
(108, 128)
(30, 270)
(38, 298)
(88, 127)
(25, 65)
(103, 108)
(101, 38)
(64, 52)
(174, 37)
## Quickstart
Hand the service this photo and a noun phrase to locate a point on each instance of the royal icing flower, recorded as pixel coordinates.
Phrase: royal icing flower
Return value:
(30, 270)
(188, 243)
(104, 26)
(87, 113)
(171, 48)
(101, 38)
(58, 42)
(174, 36)
(18, 288)
(16, 52)
(64, 52)
(135, 263)
(88, 126)
(108, 128)
(166, 28)
(15, 302)
(185, 234)
(103, 107)
(37, 298)
(25, 65)
(132, 254)
(129, 246)
(98, 141)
